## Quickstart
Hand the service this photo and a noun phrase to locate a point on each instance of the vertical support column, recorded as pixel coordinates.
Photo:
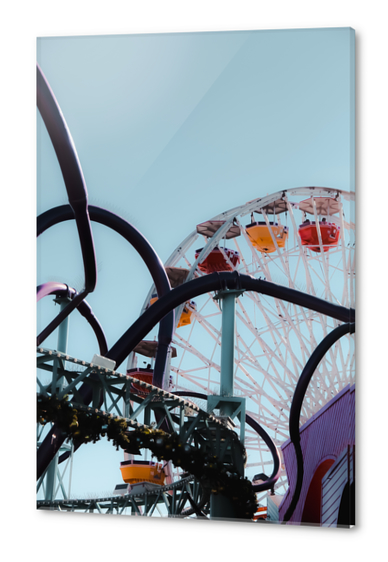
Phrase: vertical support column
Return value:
(228, 300)
(63, 330)
(221, 507)
(167, 370)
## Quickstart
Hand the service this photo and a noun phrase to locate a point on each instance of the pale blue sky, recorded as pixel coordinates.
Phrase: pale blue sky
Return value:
(236, 112)
(172, 129)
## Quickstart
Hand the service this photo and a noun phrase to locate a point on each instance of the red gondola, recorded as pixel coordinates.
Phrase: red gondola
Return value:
(145, 375)
(216, 260)
(147, 348)
(330, 233)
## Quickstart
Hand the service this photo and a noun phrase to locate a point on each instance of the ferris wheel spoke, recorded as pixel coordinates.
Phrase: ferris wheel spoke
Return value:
(323, 321)
(322, 253)
(343, 251)
(350, 278)
(265, 347)
(324, 279)
(275, 334)
(195, 381)
(352, 270)
(203, 319)
(352, 362)
(266, 415)
(297, 267)
(184, 344)
(313, 344)
(300, 317)
(279, 407)
(268, 420)
(242, 258)
(310, 286)
(248, 385)
(338, 355)
(335, 271)
(188, 263)
(285, 268)
(280, 420)
(274, 381)
(295, 326)
(254, 330)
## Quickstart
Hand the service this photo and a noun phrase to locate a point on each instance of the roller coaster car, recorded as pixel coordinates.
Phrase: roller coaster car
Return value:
(216, 260)
(145, 375)
(261, 238)
(134, 472)
(308, 233)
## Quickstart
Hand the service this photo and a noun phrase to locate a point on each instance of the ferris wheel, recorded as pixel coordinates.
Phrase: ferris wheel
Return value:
(302, 238)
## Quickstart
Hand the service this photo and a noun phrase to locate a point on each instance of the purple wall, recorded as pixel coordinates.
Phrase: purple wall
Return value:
(324, 436)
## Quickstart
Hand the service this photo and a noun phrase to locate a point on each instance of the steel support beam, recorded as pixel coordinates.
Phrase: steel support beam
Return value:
(63, 330)
(221, 507)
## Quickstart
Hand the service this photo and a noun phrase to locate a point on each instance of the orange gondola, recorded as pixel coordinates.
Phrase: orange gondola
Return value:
(267, 239)
(330, 233)
(177, 276)
(134, 472)
(186, 315)
(218, 260)
(187, 312)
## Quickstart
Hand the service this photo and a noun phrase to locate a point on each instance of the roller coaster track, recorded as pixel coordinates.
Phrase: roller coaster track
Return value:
(140, 500)
(194, 427)
(112, 383)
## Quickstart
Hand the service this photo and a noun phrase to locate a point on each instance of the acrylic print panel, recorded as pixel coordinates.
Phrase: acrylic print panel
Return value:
(196, 296)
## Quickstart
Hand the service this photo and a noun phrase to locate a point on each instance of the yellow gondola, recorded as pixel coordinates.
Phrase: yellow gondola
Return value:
(133, 472)
(188, 310)
(260, 236)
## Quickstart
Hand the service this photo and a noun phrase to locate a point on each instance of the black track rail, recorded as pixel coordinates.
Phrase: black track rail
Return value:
(76, 190)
